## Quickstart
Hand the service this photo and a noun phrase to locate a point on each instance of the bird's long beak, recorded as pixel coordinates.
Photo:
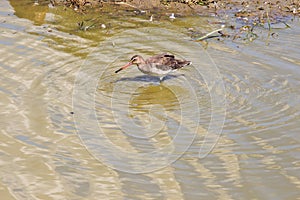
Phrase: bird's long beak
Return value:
(124, 67)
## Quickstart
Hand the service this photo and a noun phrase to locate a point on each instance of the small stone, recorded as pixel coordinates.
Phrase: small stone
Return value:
(172, 16)
(294, 11)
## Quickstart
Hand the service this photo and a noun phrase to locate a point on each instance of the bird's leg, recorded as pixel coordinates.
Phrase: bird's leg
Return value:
(161, 79)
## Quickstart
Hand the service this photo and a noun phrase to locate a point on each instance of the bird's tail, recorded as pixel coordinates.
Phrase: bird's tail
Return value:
(184, 63)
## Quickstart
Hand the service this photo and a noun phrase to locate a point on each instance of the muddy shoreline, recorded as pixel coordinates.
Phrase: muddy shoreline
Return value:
(252, 11)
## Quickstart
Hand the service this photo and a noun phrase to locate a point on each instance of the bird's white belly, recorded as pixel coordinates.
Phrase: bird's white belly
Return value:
(155, 71)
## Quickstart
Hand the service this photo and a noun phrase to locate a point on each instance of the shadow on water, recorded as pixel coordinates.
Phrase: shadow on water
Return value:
(149, 79)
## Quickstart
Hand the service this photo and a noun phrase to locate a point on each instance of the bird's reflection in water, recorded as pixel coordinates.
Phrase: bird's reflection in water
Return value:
(153, 94)
(150, 105)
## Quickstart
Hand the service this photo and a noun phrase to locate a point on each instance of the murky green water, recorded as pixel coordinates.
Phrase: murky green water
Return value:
(57, 78)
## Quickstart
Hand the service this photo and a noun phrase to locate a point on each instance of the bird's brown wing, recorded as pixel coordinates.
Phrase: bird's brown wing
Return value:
(167, 61)
(160, 58)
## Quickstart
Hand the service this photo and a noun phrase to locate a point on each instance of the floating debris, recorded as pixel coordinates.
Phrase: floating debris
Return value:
(209, 35)
(151, 18)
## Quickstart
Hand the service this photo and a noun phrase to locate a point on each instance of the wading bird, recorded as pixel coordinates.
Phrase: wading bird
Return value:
(158, 65)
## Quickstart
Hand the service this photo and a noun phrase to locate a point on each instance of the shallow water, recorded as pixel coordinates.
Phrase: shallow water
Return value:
(73, 129)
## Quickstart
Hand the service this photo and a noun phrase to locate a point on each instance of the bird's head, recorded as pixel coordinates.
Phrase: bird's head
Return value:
(137, 60)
